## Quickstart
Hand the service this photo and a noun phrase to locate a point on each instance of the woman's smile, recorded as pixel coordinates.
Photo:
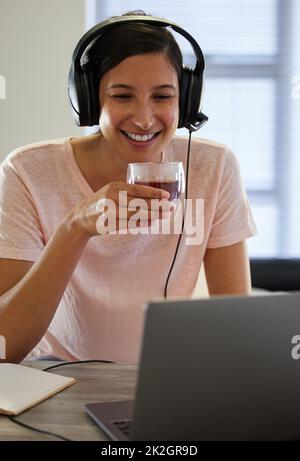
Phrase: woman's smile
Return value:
(141, 140)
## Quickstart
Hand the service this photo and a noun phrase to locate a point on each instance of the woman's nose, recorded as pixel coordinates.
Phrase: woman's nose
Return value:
(144, 117)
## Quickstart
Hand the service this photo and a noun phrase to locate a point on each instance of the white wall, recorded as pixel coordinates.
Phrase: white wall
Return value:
(37, 38)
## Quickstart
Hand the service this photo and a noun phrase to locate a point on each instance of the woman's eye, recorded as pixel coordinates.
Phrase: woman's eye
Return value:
(121, 96)
(164, 96)
(129, 96)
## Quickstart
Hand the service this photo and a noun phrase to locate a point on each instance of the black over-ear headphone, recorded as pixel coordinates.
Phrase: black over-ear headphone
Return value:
(83, 90)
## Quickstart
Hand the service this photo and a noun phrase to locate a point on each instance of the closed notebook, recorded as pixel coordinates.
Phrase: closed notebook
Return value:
(22, 387)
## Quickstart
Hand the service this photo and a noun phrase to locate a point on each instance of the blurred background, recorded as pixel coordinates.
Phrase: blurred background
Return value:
(252, 90)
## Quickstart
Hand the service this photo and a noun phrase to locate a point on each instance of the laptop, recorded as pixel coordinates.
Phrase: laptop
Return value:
(224, 368)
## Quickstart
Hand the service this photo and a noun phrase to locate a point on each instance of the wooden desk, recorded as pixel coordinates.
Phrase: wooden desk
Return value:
(64, 413)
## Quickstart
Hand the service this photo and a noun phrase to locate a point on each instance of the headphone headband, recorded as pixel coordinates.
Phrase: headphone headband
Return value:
(93, 33)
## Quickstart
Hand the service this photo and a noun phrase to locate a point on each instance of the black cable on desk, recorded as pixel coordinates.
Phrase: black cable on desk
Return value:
(61, 437)
(75, 363)
(53, 434)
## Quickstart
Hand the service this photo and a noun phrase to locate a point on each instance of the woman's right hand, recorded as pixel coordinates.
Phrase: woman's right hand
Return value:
(116, 203)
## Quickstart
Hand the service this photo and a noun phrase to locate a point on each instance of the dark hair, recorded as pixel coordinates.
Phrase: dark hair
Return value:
(125, 40)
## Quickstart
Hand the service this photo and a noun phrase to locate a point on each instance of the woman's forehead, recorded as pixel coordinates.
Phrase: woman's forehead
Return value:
(150, 67)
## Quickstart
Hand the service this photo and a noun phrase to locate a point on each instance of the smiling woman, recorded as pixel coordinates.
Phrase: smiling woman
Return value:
(138, 120)
(69, 292)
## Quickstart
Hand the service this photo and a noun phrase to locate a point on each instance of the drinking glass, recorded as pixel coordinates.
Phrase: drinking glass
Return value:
(168, 176)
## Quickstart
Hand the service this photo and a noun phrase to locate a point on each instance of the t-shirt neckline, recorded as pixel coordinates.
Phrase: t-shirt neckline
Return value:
(80, 179)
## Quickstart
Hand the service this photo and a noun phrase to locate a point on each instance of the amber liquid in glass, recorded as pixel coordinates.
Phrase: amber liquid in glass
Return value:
(172, 187)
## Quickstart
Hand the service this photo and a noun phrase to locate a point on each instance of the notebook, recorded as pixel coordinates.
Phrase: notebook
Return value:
(22, 387)
(223, 368)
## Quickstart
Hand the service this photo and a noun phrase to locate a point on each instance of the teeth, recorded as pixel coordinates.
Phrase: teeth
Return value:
(138, 137)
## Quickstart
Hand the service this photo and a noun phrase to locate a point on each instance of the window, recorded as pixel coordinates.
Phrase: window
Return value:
(252, 81)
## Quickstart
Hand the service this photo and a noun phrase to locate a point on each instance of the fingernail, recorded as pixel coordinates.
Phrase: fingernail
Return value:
(165, 194)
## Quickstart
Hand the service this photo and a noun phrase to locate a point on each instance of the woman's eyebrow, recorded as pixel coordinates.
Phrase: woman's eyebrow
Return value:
(165, 85)
(129, 87)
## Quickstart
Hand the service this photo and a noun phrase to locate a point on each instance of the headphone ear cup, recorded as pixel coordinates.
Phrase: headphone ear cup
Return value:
(195, 98)
(92, 94)
(76, 90)
(190, 101)
(185, 96)
(83, 94)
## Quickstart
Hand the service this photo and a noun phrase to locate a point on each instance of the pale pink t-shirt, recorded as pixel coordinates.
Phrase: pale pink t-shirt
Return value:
(101, 313)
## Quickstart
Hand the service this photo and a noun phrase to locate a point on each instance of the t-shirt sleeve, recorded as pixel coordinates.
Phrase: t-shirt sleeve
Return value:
(233, 221)
(21, 236)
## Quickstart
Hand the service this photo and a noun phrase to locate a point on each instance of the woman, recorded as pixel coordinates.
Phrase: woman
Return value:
(69, 292)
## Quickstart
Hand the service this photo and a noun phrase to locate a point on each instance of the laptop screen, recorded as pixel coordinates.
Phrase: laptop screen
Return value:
(224, 368)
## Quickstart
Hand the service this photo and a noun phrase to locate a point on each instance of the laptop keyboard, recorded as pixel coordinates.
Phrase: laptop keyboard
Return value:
(124, 426)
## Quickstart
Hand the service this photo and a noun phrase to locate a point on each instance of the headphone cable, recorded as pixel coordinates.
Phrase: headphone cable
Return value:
(36, 429)
(183, 219)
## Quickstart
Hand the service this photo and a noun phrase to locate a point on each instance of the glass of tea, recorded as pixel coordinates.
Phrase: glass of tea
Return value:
(168, 176)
